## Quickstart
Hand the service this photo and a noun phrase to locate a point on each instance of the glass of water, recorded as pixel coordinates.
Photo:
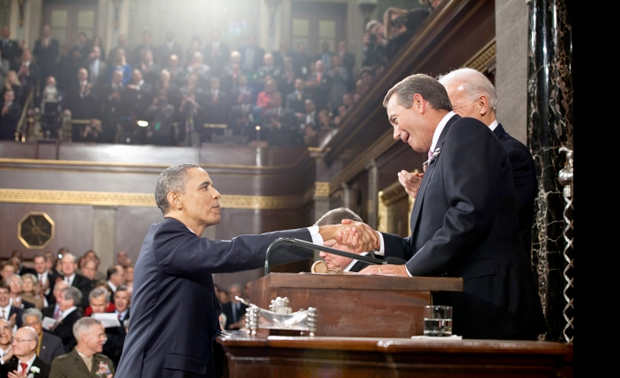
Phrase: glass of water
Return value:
(438, 321)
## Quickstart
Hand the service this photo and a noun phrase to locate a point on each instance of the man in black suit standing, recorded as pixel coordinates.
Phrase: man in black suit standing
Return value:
(49, 346)
(25, 362)
(46, 51)
(68, 267)
(11, 49)
(473, 95)
(464, 221)
(173, 276)
(234, 310)
(10, 111)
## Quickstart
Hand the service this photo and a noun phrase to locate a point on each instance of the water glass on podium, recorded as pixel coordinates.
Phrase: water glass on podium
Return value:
(438, 321)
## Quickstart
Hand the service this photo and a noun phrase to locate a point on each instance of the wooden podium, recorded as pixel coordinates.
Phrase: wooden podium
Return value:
(351, 305)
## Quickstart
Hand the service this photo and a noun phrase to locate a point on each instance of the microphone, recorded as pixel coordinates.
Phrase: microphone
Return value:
(308, 245)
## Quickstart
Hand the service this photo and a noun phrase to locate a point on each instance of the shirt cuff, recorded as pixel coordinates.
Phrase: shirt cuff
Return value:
(381, 251)
(314, 233)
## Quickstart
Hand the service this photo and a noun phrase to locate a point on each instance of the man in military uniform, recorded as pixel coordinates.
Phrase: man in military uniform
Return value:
(85, 360)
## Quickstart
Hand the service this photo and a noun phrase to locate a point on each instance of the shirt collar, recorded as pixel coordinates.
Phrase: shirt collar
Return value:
(353, 262)
(493, 125)
(440, 128)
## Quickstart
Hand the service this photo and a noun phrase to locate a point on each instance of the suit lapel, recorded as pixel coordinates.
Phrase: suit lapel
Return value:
(428, 175)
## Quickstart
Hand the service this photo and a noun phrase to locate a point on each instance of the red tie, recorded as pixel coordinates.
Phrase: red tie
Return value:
(24, 367)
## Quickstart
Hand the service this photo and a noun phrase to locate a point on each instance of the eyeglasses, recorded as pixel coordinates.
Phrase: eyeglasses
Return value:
(21, 340)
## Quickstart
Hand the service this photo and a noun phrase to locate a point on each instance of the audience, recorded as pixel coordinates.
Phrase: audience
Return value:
(172, 87)
(49, 346)
(25, 362)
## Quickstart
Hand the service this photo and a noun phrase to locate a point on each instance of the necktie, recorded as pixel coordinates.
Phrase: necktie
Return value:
(3, 315)
(24, 367)
(57, 314)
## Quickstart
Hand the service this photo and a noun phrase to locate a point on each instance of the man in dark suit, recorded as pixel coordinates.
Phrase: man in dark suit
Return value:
(473, 95)
(280, 124)
(25, 361)
(251, 55)
(234, 310)
(296, 100)
(49, 346)
(46, 51)
(11, 49)
(70, 313)
(113, 347)
(173, 282)
(8, 312)
(170, 47)
(10, 111)
(90, 336)
(68, 266)
(320, 83)
(464, 221)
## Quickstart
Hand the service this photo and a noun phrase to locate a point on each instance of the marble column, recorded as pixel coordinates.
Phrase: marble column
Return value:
(550, 128)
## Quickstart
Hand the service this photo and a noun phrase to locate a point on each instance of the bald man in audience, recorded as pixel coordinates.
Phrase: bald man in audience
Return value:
(25, 362)
(49, 346)
(85, 359)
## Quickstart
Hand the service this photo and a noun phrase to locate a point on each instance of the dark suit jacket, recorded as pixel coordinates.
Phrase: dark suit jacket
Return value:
(71, 365)
(11, 52)
(526, 184)
(85, 285)
(295, 104)
(51, 347)
(288, 134)
(9, 121)
(18, 315)
(46, 56)
(464, 224)
(64, 329)
(173, 285)
(12, 365)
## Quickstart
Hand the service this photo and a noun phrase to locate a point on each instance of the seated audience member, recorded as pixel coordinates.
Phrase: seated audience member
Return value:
(20, 268)
(16, 287)
(8, 311)
(113, 347)
(90, 336)
(341, 113)
(91, 255)
(45, 277)
(234, 309)
(178, 74)
(89, 270)
(122, 258)
(25, 362)
(137, 96)
(335, 262)
(6, 335)
(200, 69)
(264, 97)
(268, 69)
(10, 111)
(279, 124)
(150, 70)
(7, 271)
(11, 82)
(53, 102)
(70, 298)
(49, 346)
(309, 118)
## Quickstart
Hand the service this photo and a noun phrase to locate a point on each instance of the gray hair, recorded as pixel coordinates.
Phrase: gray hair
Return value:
(32, 311)
(99, 291)
(172, 179)
(473, 82)
(335, 216)
(83, 325)
(429, 88)
(32, 277)
(74, 293)
(70, 255)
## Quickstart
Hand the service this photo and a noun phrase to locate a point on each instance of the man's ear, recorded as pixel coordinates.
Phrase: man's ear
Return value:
(173, 201)
(418, 103)
(482, 104)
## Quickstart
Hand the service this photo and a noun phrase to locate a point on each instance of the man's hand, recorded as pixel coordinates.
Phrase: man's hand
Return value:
(356, 235)
(15, 374)
(394, 270)
(411, 182)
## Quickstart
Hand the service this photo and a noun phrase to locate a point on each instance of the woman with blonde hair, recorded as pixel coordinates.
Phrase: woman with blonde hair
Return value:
(31, 292)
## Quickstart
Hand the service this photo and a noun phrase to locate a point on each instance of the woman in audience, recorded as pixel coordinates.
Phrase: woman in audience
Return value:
(11, 81)
(120, 64)
(31, 291)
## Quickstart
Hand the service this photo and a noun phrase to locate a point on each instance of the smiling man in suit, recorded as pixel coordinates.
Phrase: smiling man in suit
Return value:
(49, 346)
(173, 276)
(464, 221)
(25, 362)
(69, 314)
